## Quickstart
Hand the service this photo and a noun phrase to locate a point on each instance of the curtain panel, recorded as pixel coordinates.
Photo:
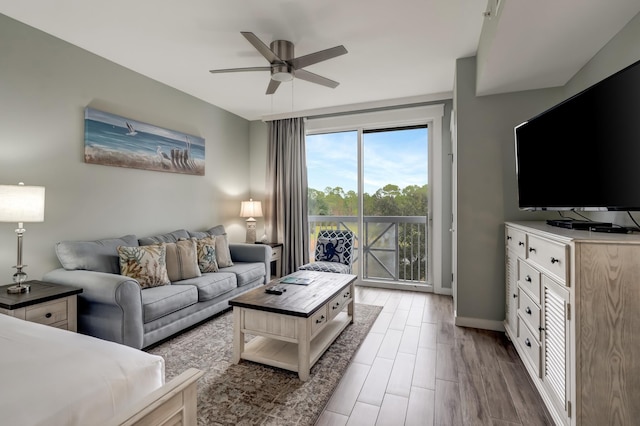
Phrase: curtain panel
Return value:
(286, 192)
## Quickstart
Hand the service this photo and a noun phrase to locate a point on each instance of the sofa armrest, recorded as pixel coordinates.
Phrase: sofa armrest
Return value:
(243, 252)
(109, 307)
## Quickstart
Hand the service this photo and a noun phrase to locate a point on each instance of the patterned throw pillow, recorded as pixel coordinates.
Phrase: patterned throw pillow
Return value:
(223, 255)
(182, 260)
(206, 248)
(331, 250)
(147, 264)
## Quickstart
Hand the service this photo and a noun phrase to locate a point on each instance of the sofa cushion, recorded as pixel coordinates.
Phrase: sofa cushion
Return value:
(170, 237)
(199, 234)
(246, 272)
(223, 254)
(98, 255)
(182, 260)
(146, 264)
(210, 285)
(206, 250)
(160, 301)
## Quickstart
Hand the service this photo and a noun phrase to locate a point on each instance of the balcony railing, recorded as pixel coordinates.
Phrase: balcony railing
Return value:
(392, 248)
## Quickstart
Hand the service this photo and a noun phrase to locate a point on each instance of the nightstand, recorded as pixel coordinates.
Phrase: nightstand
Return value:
(49, 304)
(276, 258)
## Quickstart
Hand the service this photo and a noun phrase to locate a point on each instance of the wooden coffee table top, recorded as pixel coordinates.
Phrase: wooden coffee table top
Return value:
(297, 300)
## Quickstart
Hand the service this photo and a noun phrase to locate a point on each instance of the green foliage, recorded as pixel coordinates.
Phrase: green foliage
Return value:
(389, 200)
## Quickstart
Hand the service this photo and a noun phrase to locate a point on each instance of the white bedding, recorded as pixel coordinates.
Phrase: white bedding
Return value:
(55, 377)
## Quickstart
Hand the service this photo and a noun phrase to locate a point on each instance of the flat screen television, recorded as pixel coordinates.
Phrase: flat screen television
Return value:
(584, 153)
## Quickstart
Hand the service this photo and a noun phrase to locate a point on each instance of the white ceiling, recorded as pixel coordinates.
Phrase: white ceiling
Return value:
(399, 49)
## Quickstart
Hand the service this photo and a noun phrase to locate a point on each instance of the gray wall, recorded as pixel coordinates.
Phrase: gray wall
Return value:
(45, 84)
(486, 194)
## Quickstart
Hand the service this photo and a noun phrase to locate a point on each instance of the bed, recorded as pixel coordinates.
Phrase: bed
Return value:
(55, 377)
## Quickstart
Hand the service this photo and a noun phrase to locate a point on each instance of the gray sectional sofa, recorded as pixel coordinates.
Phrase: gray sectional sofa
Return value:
(115, 307)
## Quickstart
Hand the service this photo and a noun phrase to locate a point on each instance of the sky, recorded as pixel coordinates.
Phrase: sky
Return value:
(398, 158)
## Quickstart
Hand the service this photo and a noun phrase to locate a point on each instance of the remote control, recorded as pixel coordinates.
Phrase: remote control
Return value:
(275, 290)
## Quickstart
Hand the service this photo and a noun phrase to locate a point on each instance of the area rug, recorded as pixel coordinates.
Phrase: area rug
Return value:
(253, 394)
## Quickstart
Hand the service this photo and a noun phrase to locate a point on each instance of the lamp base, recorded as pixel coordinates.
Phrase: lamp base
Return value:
(19, 288)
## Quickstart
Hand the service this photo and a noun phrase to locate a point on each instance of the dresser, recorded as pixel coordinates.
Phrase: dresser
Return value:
(573, 315)
(45, 303)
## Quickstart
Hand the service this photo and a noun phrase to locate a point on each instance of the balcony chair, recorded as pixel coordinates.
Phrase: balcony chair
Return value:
(334, 253)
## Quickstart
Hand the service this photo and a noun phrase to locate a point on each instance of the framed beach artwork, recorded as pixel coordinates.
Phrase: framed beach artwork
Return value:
(112, 140)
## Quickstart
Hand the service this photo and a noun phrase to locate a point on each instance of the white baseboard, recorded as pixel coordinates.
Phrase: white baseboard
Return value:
(479, 323)
(443, 291)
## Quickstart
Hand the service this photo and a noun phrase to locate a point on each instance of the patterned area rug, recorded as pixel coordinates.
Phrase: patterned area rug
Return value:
(253, 394)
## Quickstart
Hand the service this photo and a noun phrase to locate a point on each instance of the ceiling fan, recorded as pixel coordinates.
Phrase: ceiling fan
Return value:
(284, 66)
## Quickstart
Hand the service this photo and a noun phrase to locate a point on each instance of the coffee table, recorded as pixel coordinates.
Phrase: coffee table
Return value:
(292, 330)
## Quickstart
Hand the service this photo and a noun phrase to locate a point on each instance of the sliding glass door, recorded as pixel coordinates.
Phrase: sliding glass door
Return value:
(374, 182)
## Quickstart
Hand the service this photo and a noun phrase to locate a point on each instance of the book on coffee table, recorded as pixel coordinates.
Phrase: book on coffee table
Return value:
(296, 280)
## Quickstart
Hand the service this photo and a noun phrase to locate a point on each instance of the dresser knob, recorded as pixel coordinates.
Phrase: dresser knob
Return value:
(520, 243)
(47, 315)
(531, 249)
(554, 260)
(541, 328)
(515, 295)
(528, 310)
(508, 237)
(527, 342)
(528, 279)
(318, 321)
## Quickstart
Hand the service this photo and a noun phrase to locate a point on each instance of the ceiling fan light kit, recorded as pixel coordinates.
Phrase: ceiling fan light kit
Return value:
(284, 66)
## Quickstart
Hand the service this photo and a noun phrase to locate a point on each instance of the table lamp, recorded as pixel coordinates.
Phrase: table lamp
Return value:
(251, 209)
(20, 203)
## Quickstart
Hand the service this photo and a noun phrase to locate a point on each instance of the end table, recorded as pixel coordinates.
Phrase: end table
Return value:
(50, 304)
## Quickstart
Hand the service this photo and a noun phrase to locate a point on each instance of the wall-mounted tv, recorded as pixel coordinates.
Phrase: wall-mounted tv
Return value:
(584, 153)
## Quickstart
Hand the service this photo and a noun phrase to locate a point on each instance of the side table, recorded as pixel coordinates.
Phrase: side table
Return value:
(276, 257)
(46, 303)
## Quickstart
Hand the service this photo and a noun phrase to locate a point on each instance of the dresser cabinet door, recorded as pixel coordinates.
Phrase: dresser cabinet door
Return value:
(555, 344)
(511, 296)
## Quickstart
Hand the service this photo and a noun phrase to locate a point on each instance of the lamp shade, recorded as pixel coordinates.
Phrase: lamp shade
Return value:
(20, 203)
(251, 208)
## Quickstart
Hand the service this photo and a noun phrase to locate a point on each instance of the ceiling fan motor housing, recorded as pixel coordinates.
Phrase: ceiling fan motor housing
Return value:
(284, 50)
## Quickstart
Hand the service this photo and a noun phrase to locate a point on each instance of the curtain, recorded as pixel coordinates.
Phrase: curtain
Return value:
(286, 192)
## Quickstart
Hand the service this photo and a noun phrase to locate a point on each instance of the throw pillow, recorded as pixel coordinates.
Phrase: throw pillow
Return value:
(206, 248)
(223, 254)
(147, 264)
(332, 250)
(182, 260)
(98, 256)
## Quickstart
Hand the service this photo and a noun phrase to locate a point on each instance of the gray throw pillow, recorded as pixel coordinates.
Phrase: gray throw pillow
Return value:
(98, 255)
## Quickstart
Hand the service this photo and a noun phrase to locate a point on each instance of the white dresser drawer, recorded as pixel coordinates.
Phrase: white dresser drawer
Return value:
(530, 313)
(516, 240)
(529, 279)
(549, 255)
(530, 346)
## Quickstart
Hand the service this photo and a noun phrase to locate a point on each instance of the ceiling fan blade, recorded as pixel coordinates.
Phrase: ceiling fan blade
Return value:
(315, 78)
(314, 58)
(261, 47)
(273, 86)
(241, 69)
